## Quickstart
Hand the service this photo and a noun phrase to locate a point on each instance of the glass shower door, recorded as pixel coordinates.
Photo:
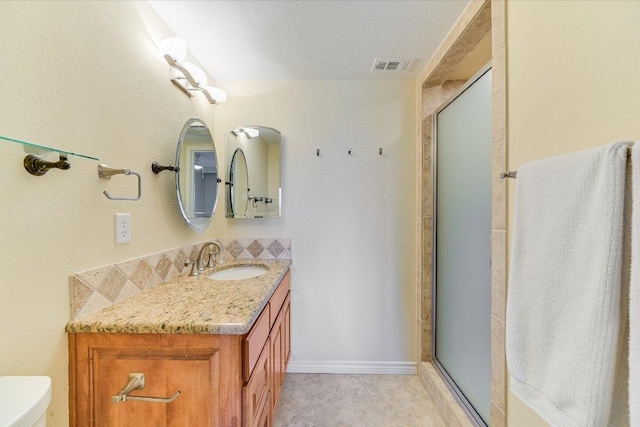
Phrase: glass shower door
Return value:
(462, 255)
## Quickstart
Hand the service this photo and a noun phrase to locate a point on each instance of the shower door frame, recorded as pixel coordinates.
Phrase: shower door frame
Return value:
(462, 400)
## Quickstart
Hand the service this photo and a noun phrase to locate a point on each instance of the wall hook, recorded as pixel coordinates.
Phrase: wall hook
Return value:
(318, 152)
(106, 172)
(349, 151)
(380, 151)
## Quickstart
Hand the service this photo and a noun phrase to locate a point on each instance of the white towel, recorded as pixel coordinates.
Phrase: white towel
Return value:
(634, 294)
(563, 306)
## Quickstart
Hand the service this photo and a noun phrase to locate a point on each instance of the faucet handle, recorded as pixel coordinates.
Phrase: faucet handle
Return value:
(212, 259)
(194, 268)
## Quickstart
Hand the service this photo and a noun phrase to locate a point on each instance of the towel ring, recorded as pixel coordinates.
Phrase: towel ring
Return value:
(106, 172)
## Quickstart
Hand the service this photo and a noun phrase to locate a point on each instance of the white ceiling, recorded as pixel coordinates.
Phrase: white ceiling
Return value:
(309, 40)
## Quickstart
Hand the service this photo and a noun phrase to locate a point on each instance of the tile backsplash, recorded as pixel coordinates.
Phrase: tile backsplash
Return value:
(92, 290)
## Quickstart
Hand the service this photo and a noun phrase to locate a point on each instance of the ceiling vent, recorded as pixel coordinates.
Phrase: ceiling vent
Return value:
(392, 65)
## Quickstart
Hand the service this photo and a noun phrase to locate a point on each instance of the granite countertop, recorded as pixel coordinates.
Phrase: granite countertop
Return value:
(191, 304)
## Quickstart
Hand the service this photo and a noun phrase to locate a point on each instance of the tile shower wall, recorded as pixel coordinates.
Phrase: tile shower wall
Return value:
(93, 290)
(479, 17)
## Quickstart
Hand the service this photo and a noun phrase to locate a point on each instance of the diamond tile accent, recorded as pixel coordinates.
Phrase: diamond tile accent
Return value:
(275, 249)
(155, 280)
(171, 254)
(112, 284)
(286, 243)
(266, 242)
(245, 241)
(163, 266)
(153, 259)
(173, 272)
(96, 302)
(128, 290)
(235, 249)
(95, 289)
(286, 254)
(141, 275)
(179, 261)
(225, 242)
(128, 267)
(194, 253)
(255, 249)
(245, 255)
(80, 294)
(94, 278)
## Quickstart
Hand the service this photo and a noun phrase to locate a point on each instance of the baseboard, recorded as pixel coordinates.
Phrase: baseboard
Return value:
(351, 367)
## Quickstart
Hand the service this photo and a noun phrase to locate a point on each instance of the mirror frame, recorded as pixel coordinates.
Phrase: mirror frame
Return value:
(181, 201)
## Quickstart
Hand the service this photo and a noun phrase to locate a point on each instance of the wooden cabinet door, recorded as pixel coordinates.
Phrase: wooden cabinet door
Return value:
(206, 369)
(287, 331)
(265, 416)
(278, 360)
(255, 394)
(193, 373)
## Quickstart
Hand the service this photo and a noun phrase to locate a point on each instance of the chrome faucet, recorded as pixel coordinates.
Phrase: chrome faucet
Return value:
(198, 264)
(200, 260)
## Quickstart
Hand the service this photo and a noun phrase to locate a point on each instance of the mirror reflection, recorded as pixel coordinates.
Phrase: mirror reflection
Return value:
(237, 186)
(197, 179)
(253, 156)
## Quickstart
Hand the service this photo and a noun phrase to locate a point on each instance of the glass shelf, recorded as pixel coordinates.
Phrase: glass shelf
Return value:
(47, 149)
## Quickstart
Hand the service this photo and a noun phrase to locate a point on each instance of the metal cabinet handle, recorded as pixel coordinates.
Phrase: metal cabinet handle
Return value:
(136, 382)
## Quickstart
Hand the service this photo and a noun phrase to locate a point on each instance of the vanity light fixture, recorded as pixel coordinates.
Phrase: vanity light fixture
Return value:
(185, 75)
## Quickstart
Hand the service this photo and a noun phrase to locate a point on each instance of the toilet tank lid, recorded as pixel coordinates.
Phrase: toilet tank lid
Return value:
(23, 399)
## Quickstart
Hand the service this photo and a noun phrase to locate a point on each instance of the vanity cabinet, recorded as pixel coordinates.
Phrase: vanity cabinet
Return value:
(223, 379)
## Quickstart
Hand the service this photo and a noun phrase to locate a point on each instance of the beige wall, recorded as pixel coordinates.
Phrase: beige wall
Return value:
(83, 76)
(351, 218)
(573, 83)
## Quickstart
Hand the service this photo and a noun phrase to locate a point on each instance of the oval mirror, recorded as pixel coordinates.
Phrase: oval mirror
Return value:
(256, 191)
(197, 179)
(238, 189)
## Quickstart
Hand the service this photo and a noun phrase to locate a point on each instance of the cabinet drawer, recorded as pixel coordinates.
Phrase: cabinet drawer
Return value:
(278, 297)
(255, 394)
(254, 342)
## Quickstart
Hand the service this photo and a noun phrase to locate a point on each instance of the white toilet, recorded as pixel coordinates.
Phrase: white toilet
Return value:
(24, 401)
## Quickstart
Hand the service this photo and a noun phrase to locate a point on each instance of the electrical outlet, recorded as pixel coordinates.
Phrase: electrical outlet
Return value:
(123, 228)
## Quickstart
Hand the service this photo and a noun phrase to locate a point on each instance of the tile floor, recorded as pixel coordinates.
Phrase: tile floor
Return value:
(325, 400)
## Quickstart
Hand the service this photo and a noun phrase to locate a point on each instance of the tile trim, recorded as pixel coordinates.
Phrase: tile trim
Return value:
(442, 398)
(429, 92)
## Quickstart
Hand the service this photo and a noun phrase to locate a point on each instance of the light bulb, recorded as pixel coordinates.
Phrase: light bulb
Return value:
(197, 73)
(218, 95)
(175, 47)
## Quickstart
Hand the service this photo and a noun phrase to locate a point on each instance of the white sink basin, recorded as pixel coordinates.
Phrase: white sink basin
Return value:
(239, 273)
(24, 401)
